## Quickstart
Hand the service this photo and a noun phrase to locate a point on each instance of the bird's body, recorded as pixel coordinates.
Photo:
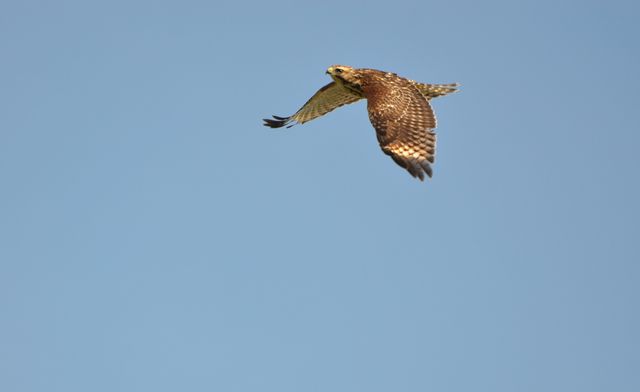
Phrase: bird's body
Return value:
(399, 110)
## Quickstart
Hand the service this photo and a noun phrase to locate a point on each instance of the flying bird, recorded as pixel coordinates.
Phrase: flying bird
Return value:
(399, 110)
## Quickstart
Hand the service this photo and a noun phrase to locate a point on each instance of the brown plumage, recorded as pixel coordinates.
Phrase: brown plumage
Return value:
(399, 110)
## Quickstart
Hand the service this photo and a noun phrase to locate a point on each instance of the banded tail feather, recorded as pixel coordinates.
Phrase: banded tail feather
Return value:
(430, 91)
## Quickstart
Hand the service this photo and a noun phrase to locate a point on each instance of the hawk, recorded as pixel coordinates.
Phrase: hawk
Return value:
(399, 110)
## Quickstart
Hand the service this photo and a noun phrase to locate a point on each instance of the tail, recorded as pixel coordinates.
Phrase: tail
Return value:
(436, 90)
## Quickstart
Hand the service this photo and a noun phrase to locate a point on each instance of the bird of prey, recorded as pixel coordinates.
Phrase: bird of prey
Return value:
(399, 110)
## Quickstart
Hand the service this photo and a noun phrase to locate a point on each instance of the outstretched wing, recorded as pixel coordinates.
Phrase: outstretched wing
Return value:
(404, 123)
(435, 90)
(328, 98)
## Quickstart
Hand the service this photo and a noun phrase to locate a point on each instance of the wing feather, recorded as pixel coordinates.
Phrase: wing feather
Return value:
(328, 98)
(404, 123)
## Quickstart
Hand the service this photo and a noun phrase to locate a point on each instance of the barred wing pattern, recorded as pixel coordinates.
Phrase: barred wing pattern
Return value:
(328, 98)
(404, 123)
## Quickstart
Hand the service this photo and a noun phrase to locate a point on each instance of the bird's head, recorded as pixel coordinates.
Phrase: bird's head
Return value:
(346, 76)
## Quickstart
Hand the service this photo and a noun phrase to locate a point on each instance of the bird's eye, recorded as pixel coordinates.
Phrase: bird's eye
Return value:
(339, 70)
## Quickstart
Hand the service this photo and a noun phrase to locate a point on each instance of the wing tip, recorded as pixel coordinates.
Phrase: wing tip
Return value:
(419, 169)
(427, 168)
(416, 168)
(277, 122)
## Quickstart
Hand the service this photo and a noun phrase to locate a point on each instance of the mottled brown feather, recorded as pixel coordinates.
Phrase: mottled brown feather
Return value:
(403, 120)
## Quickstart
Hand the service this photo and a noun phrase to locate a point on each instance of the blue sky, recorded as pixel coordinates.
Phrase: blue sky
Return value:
(155, 236)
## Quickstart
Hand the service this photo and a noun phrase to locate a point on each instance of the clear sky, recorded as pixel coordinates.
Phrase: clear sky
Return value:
(154, 236)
